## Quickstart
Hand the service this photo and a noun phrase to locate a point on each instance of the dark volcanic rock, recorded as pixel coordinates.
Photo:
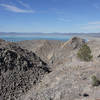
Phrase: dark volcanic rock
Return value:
(19, 71)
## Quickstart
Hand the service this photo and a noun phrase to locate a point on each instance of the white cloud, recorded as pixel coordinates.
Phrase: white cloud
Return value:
(16, 9)
(64, 20)
(23, 4)
(91, 27)
(94, 23)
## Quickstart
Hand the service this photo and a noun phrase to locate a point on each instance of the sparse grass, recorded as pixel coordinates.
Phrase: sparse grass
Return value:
(84, 53)
(95, 81)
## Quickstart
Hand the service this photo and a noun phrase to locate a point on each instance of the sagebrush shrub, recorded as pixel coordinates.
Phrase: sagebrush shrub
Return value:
(84, 53)
(95, 81)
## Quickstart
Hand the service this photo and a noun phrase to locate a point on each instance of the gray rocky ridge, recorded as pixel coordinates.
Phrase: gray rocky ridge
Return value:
(69, 77)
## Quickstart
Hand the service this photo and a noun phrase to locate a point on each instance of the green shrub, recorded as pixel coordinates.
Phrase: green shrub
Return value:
(95, 81)
(84, 53)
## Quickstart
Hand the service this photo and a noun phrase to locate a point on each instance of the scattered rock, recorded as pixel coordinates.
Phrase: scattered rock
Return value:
(85, 95)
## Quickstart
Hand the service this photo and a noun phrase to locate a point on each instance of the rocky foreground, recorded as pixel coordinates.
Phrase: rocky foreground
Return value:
(19, 71)
(68, 77)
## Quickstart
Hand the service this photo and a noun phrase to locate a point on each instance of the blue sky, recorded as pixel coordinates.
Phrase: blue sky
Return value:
(50, 16)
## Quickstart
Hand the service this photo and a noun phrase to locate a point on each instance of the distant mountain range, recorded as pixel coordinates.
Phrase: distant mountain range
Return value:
(55, 33)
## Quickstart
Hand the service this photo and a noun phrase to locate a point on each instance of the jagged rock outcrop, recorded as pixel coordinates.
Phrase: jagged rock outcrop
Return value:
(74, 43)
(19, 71)
(77, 42)
(2, 40)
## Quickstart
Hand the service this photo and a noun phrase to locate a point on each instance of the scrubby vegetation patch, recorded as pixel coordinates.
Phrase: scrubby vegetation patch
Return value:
(95, 81)
(84, 53)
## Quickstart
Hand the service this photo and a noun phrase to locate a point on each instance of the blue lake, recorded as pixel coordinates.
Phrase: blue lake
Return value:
(15, 38)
